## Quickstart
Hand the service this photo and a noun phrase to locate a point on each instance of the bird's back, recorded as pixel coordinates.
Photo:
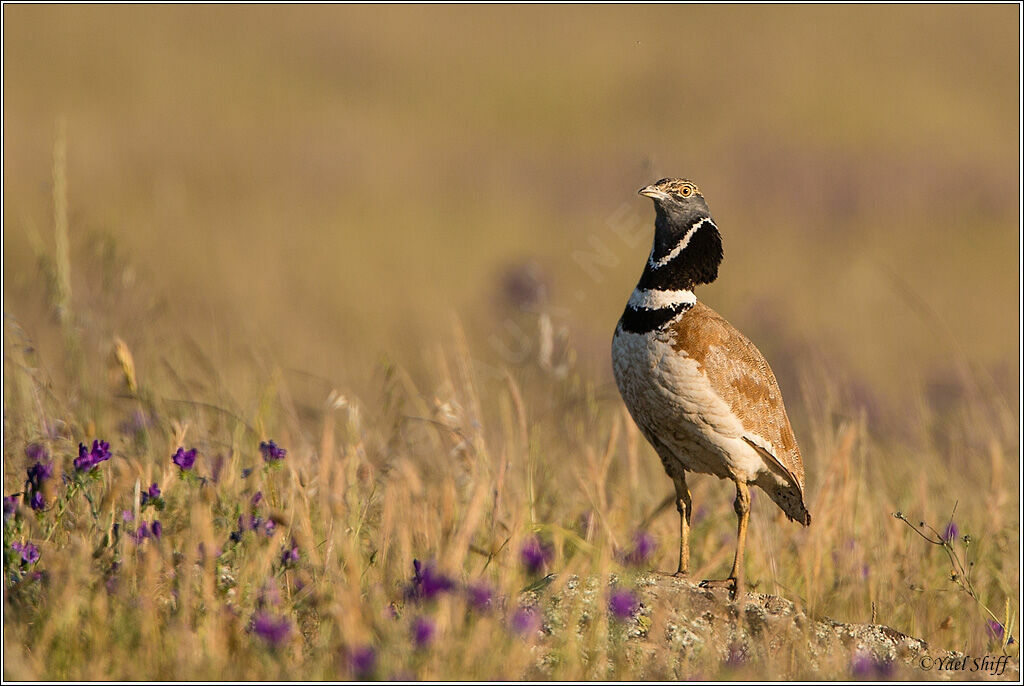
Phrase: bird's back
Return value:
(739, 375)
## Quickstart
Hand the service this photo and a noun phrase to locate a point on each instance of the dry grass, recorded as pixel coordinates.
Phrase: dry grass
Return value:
(310, 226)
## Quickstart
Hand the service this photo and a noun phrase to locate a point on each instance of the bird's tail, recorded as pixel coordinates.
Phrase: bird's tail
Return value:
(790, 499)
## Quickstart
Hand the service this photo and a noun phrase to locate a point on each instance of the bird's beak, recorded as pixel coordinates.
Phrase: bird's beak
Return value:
(652, 192)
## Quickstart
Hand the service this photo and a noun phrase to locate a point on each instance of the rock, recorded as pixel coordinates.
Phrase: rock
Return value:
(683, 631)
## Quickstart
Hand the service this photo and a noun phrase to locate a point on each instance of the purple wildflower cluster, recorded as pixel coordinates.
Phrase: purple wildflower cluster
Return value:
(88, 458)
(29, 552)
(429, 582)
(254, 522)
(534, 555)
(185, 459)
(271, 626)
(271, 452)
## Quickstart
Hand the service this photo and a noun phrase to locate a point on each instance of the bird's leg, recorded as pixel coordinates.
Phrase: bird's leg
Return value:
(685, 507)
(742, 506)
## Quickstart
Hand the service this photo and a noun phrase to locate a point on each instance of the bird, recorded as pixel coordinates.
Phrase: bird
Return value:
(700, 392)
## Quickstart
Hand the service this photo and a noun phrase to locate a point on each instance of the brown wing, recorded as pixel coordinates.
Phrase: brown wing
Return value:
(739, 374)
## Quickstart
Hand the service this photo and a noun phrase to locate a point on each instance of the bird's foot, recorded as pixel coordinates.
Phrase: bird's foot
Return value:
(732, 583)
(681, 574)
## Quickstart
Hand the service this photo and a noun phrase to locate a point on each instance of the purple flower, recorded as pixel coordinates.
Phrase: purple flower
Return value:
(623, 603)
(479, 595)
(127, 516)
(29, 552)
(863, 665)
(90, 457)
(184, 459)
(83, 462)
(151, 493)
(995, 631)
(38, 502)
(428, 582)
(534, 555)
(363, 660)
(10, 505)
(147, 530)
(951, 532)
(272, 453)
(422, 632)
(36, 452)
(256, 498)
(643, 548)
(525, 620)
(100, 451)
(290, 554)
(38, 473)
(273, 630)
(269, 526)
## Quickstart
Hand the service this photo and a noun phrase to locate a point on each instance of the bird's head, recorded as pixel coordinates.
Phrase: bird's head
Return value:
(676, 197)
(687, 246)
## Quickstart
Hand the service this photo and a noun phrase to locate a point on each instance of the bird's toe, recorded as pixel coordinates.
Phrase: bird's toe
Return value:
(731, 584)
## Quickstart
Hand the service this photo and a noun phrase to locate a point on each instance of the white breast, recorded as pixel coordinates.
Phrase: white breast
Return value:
(671, 400)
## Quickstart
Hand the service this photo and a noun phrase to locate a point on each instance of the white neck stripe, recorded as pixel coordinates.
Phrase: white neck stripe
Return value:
(657, 300)
(658, 264)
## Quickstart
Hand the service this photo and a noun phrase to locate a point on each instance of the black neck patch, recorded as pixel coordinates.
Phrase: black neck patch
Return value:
(642, 320)
(695, 264)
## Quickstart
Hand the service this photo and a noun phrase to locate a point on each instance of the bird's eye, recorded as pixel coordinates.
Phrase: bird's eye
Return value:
(686, 191)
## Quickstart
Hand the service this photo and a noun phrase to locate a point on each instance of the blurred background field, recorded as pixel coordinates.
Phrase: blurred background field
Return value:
(432, 212)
